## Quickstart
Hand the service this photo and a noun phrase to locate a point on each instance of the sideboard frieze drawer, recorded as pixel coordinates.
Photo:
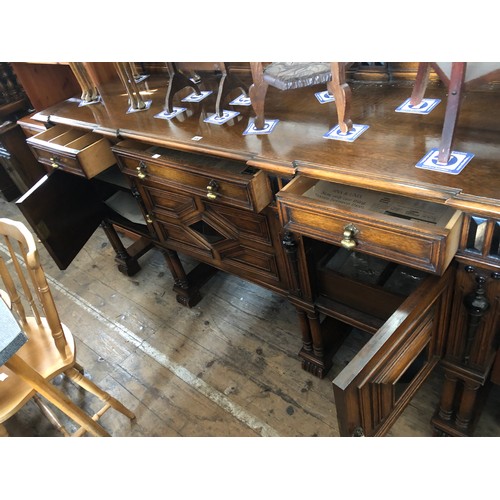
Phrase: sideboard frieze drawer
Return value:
(225, 181)
(76, 151)
(417, 233)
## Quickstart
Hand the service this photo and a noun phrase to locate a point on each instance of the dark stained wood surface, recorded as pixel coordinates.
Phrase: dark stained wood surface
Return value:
(383, 157)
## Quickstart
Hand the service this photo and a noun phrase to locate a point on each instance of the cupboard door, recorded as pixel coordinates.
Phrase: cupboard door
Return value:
(64, 211)
(379, 382)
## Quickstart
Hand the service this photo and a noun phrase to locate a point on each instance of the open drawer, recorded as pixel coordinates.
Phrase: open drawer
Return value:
(402, 315)
(417, 233)
(219, 180)
(77, 151)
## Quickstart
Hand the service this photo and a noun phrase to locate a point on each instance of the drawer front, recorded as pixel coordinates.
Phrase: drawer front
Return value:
(78, 152)
(421, 245)
(244, 187)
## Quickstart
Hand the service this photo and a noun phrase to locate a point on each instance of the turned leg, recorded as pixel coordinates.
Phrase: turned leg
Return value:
(187, 287)
(127, 264)
(257, 92)
(447, 397)
(465, 411)
(340, 89)
(315, 360)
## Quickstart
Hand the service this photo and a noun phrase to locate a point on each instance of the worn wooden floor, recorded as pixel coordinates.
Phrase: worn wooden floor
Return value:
(227, 367)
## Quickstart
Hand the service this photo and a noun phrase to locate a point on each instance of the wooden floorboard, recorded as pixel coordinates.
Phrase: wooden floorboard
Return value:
(226, 367)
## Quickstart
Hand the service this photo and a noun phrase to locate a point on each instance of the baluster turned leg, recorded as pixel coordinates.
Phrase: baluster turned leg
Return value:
(258, 91)
(126, 264)
(447, 397)
(339, 88)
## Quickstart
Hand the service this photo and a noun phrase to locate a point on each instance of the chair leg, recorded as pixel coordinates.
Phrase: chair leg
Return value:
(54, 396)
(227, 84)
(452, 110)
(340, 89)
(177, 81)
(51, 417)
(421, 81)
(89, 386)
(257, 93)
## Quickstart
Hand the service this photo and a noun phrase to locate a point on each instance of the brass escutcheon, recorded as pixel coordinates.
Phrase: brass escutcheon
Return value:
(348, 241)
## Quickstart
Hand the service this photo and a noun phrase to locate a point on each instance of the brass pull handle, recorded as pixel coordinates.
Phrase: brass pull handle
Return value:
(141, 170)
(212, 190)
(54, 163)
(348, 241)
(149, 220)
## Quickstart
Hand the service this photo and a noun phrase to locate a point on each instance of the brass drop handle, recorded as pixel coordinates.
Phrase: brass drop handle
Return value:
(141, 170)
(54, 163)
(348, 241)
(149, 220)
(212, 190)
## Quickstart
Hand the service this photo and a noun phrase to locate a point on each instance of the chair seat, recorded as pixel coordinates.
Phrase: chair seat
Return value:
(41, 353)
(294, 75)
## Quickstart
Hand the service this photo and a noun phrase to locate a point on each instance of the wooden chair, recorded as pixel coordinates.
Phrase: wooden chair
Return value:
(288, 76)
(50, 350)
(455, 76)
(177, 81)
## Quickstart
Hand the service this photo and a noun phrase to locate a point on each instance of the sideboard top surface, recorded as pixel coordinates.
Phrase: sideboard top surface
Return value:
(383, 157)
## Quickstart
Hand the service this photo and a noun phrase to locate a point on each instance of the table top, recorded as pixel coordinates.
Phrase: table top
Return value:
(384, 157)
(12, 338)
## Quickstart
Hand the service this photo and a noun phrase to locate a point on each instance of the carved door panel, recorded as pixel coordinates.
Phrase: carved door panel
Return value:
(379, 382)
(231, 239)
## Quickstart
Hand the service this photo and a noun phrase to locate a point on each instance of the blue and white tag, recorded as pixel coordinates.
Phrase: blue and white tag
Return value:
(350, 136)
(424, 108)
(194, 97)
(89, 103)
(219, 120)
(268, 127)
(324, 96)
(242, 100)
(457, 162)
(168, 116)
(147, 105)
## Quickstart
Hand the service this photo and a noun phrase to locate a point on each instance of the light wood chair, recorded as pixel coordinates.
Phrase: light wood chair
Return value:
(50, 349)
(290, 76)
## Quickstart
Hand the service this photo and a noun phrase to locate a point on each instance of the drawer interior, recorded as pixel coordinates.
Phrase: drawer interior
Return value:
(82, 142)
(361, 289)
(193, 161)
(366, 201)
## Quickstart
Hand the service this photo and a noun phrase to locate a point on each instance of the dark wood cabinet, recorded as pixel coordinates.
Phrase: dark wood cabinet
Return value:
(473, 340)
(357, 238)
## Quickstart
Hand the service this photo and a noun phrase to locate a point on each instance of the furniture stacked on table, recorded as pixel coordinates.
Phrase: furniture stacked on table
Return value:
(351, 233)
